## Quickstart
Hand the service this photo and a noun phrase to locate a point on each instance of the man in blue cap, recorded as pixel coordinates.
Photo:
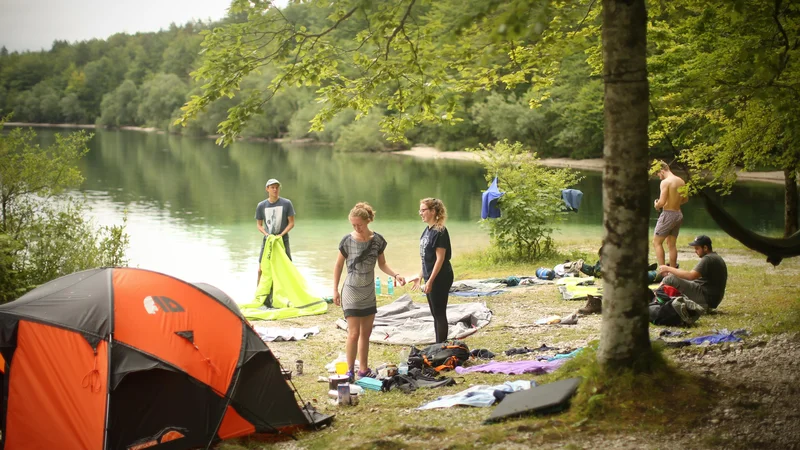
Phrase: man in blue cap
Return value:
(275, 215)
(705, 284)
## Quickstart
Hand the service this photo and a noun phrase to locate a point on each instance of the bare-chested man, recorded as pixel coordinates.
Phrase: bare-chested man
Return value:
(671, 218)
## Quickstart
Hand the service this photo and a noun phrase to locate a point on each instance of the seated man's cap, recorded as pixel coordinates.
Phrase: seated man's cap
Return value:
(700, 241)
(273, 181)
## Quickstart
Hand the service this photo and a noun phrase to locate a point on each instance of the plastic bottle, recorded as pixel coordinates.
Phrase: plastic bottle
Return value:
(403, 355)
(390, 284)
(402, 368)
(378, 285)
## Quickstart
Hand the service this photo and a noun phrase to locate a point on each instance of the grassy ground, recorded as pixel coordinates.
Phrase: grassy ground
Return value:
(759, 297)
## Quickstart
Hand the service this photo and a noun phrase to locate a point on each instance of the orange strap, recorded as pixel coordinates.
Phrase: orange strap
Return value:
(92, 379)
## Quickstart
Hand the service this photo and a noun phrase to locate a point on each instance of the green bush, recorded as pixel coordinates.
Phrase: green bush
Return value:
(531, 205)
(510, 118)
(119, 107)
(160, 98)
(301, 123)
(363, 135)
(43, 231)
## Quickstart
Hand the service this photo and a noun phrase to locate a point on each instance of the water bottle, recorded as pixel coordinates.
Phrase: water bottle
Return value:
(390, 284)
(403, 356)
(378, 285)
(402, 368)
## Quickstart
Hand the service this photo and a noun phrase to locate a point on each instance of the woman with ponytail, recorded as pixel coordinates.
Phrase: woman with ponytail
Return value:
(435, 253)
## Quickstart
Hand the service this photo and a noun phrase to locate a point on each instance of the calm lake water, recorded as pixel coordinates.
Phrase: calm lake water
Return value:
(191, 204)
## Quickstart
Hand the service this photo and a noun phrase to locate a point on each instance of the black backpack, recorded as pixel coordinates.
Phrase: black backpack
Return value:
(440, 357)
(415, 379)
(675, 312)
(664, 314)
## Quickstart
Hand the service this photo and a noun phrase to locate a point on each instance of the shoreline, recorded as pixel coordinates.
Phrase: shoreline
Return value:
(594, 164)
(425, 152)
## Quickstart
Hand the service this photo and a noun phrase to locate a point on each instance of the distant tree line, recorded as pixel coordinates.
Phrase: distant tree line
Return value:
(144, 79)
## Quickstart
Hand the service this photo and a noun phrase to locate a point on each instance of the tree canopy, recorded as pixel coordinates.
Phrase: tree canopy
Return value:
(726, 85)
(94, 81)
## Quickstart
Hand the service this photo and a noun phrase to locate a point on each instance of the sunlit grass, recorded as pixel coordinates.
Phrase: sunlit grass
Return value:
(759, 297)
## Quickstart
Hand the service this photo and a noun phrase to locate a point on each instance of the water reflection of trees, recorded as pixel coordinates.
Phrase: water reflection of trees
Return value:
(223, 185)
(759, 206)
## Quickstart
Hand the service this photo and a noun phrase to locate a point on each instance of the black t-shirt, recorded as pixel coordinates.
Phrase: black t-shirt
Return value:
(430, 240)
(713, 276)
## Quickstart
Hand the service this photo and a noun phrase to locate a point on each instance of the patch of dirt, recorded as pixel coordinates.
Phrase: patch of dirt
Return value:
(756, 380)
(759, 407)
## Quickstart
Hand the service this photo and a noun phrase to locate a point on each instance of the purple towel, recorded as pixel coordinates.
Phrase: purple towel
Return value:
(514, 368)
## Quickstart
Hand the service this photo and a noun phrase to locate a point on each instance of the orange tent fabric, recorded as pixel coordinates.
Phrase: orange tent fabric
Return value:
(122, 358)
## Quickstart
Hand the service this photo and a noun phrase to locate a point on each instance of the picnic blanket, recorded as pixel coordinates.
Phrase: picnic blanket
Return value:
(577, 288)
(407, 323)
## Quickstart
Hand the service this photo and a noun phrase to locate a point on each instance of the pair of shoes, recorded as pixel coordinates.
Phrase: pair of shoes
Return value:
(366, 373)
(594, 305)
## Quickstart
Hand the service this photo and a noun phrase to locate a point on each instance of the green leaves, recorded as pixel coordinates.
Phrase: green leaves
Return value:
(413, 58)
(726, 86)
(43, 233)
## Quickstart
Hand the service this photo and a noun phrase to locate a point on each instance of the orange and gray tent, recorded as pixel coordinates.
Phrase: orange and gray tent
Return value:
(122, 358)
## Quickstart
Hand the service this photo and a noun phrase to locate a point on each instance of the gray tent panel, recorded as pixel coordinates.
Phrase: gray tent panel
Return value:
(79, 302)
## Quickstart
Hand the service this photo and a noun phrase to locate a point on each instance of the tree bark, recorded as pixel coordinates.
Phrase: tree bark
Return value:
(790, 200)
(624, 337)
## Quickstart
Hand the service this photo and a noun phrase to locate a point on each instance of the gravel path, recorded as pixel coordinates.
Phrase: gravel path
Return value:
(759, 408)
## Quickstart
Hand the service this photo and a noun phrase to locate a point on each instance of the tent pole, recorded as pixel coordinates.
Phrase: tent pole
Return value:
(108, 391)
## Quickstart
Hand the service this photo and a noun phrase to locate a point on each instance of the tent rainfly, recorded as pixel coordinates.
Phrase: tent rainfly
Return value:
(123, 358)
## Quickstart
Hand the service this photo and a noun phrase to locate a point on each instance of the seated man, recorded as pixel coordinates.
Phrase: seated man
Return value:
(705, 284)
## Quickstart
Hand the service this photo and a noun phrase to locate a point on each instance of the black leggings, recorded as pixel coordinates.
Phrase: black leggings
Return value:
(437, 301)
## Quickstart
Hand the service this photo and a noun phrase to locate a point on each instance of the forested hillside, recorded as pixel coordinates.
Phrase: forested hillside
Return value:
(144, 79)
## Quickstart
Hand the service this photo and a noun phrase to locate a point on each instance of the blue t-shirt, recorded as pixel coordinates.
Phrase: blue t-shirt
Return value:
(430, 240)
(275, 216)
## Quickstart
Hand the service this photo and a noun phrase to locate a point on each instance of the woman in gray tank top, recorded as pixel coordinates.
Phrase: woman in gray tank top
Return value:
(361, 249)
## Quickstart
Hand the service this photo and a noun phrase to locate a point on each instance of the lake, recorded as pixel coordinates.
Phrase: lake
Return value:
(191, 204)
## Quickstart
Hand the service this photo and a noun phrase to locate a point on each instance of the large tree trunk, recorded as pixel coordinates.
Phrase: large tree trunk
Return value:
(624, 334)
(790, 208)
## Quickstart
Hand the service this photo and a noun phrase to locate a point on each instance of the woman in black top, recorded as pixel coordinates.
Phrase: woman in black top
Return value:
(435, 252)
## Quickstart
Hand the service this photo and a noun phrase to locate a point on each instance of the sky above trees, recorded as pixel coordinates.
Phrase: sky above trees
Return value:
(35, 24)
